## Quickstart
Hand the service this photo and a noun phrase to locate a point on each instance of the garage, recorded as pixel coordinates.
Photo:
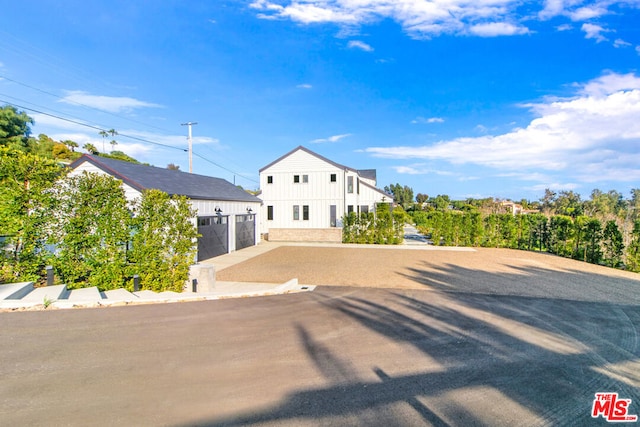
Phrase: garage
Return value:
(245, 231)
(214, 236)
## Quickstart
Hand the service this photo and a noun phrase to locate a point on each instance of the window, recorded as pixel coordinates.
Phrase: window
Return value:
(296, 212)
(204, 222)
(333, 177)
(305, 212)
(269, 213)
(305, 179)
(296, 179)
(349, 209)
(364, 209)
(358, 185)
(349, 184)
(270, 179)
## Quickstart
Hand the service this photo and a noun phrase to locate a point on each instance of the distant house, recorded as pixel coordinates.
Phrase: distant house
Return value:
(226, 215)
(306, 195)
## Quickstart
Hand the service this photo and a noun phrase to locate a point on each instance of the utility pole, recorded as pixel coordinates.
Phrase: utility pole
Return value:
(190, 145)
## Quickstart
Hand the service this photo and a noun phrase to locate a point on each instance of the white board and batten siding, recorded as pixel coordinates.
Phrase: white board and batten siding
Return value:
(318, 192)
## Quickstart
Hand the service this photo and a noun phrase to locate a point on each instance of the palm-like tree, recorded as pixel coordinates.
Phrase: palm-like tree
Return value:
(90, 148)
(103, 133)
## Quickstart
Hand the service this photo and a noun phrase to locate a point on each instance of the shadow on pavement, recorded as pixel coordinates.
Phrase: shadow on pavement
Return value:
(532, 353)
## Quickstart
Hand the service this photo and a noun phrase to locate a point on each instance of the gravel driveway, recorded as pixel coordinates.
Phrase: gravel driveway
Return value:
(487, 271)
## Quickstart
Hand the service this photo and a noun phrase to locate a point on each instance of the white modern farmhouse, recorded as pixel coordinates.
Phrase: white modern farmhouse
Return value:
(226, 214)
(306, 195)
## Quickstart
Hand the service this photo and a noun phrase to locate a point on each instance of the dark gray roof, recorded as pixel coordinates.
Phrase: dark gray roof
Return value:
(173, 182)
(368, 174)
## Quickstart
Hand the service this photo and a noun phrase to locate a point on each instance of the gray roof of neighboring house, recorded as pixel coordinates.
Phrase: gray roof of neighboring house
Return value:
(142, 177)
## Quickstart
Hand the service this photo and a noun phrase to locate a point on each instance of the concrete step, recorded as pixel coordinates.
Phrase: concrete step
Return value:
(15, 290)
(50, 293)
(120, 295)
(147, 295)
(84, 295)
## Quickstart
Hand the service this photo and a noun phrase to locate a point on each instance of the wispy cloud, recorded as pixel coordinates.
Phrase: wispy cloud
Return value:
(112, 104)
(334, 138)
(593, 31)
(621, 43)
(425, 19)
(424, 120)
(304, 86)
(357, 44)
(590, 137)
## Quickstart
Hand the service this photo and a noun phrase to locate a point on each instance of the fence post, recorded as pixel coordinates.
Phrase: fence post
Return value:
(49, 269)
(136, 283)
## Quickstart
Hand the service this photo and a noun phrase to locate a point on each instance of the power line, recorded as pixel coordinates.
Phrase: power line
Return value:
(98, 128)
(79, 103)
(88, 125)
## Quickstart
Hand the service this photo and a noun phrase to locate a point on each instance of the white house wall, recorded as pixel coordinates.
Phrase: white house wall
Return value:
(319, 193)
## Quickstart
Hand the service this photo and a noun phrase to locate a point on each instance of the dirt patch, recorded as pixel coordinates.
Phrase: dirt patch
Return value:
(495, 271)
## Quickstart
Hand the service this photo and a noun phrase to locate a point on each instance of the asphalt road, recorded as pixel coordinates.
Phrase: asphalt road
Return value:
(352, 356)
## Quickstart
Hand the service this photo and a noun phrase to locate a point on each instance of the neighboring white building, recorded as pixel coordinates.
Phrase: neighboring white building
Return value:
(226, 214)
(305, 196)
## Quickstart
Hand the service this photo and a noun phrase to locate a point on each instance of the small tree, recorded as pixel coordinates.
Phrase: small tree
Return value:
(164, 241)
(633, 250)
(23, 180)
(90, 227)
(612, 244)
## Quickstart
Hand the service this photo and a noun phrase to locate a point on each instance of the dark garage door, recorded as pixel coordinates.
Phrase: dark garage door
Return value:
(214, 240)
(245, 231)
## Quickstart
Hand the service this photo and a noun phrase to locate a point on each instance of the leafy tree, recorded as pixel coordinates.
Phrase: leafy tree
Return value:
(119, 155)
(613, 245)
(60, 151)
(173, 167)
(560, 231)
(14, 127)
(163, 241)
(24, 178)
(90, 227)
(91, 149)
(633, 250)
(421, 198)
(402, 195)
(441, 202)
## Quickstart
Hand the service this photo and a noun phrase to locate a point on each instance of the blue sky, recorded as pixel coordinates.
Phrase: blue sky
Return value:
(486, 98)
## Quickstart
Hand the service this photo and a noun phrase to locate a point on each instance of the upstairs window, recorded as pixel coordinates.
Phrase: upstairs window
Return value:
(270, 179)
(333, 177)
(296, 179)
(349, 184)
(305, 179)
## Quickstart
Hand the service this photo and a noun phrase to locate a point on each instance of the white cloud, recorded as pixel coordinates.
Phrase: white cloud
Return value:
(493, 29)
(424, 19)
(420, 169)
(591, 136)
(112, 104)
(564, 27)
(593, 31)
(638, 49)
(621, 43)
(357, 44)
(334, 138)
(424, 120)
(304, 86)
